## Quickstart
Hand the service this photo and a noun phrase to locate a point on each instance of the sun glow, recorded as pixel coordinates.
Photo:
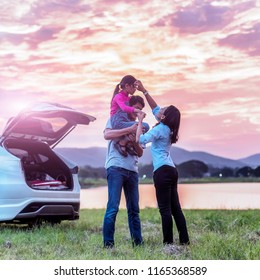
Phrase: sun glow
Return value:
(17, 106)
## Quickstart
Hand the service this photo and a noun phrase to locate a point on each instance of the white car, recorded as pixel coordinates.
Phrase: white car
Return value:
(37, 184)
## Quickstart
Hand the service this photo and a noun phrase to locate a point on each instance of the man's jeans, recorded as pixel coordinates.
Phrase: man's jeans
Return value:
(118, 178)
(121, 120)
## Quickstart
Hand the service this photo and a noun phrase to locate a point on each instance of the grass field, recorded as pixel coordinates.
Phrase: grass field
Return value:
(215, 235)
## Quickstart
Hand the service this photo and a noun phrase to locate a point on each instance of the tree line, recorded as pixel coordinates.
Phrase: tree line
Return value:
(188, 169)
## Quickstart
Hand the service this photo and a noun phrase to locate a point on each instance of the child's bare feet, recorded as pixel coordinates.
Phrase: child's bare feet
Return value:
(121, 148)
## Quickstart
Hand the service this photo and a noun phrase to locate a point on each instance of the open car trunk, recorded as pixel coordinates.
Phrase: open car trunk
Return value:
(43, 169)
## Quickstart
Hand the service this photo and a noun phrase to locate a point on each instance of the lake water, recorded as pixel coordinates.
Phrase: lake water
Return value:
(192, 196)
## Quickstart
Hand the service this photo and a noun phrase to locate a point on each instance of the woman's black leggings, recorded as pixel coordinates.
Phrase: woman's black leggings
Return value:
(165, 181)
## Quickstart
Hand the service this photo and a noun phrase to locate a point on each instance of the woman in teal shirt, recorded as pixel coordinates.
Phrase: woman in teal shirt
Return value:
(165, 176)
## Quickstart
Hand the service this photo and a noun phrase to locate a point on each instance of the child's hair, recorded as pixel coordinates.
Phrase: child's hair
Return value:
(172, 120)
(128, 79)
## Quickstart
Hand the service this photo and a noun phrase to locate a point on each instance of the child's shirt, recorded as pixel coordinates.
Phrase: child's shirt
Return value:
(119, 101)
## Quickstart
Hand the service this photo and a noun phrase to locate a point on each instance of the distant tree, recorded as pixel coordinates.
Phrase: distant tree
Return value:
(214, 171)
(256, 171)
(245, 171)
(146, 171)
(192, 169)
(92, 172)
(226, 172)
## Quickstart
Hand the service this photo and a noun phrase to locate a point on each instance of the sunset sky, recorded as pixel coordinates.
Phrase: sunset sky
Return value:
(201, 56)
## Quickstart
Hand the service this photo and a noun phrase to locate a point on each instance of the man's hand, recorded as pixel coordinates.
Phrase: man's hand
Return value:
(132, 129)
(141, 116)
(111, 134)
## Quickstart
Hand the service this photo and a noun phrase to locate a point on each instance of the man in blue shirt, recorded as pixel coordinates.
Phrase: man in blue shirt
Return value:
(122, 173)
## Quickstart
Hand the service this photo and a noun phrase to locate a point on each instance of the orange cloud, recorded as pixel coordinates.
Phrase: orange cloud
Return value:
(200, 56)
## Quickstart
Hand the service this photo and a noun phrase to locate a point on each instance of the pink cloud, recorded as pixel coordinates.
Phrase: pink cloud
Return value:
(247, 41)
(75, 53)
(213, 134)
(35, 38)
(198, 17)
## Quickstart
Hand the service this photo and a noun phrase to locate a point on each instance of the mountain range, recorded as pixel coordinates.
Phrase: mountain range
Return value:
(95, 157)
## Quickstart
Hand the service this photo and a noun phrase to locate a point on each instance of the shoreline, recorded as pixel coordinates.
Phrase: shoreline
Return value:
(99, 182)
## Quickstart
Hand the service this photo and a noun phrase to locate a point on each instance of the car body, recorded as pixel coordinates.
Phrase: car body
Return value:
(36, 183)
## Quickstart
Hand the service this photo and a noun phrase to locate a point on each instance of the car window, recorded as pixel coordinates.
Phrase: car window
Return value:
(43, 158)
(51, 125)
(18, 152)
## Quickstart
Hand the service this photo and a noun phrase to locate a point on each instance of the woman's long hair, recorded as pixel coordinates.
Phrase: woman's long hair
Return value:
(128, 79)
(172, 120)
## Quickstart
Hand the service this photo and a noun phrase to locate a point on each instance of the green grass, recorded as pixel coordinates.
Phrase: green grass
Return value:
(215, 235)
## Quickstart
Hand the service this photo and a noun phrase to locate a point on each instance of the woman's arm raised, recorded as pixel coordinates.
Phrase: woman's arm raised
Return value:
(150, 100)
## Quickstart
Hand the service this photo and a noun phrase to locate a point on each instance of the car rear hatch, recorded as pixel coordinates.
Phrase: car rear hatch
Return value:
(46, 122)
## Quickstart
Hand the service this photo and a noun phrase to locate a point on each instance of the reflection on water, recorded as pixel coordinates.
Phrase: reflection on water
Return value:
(192, 196)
